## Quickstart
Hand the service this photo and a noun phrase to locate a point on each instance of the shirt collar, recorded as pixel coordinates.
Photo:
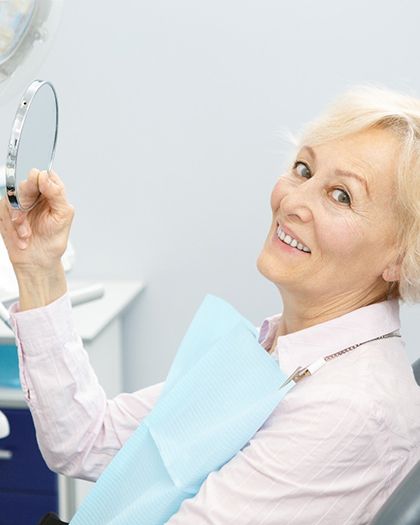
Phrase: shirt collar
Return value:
(305, 346)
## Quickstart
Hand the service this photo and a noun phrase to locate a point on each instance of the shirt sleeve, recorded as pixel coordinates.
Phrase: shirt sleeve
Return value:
(78, 429)
(313, 461)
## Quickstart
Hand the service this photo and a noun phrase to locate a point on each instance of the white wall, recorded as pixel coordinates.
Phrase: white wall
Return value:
(169, 143)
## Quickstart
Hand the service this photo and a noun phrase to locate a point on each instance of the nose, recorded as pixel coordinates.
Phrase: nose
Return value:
(297, 202)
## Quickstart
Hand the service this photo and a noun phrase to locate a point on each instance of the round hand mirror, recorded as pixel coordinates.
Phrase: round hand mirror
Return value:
(33, 139)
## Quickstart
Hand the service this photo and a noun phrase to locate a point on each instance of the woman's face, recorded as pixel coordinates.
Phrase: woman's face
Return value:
(349, 225)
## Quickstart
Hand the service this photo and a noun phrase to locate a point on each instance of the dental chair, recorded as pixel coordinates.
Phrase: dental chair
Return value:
(403, 506)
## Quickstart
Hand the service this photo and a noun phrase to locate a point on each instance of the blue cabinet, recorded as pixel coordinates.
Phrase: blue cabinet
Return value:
(24, 508)
(9, 367)
(28, 489)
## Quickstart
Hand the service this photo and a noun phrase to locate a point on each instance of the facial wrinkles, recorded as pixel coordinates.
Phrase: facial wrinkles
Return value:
(358, 219)
(349, 220)
(360, 202)
(374, 210)
(322, 192)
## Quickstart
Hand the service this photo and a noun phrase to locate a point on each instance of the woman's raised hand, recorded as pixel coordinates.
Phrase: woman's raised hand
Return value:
(36, 239)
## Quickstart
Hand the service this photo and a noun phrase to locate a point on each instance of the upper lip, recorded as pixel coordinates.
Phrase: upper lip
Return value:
(291, 233)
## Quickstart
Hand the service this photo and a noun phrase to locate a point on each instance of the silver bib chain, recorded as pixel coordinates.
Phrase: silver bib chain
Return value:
(341, 352)
(300, 372)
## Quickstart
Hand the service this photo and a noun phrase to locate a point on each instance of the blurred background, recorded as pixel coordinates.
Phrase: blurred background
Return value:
(171, 137)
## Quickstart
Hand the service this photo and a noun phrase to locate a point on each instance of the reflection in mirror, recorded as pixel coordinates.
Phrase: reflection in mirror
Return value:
(33, 140)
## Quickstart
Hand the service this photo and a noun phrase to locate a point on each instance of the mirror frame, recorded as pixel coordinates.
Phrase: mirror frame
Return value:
(15, 137)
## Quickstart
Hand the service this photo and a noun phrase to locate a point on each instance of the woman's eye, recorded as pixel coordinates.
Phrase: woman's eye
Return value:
(303, 170)
(346, 200)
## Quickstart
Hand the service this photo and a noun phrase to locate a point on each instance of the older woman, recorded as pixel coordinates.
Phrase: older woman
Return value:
(343, 249)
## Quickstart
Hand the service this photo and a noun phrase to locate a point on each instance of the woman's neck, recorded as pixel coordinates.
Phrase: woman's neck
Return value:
(300, 313)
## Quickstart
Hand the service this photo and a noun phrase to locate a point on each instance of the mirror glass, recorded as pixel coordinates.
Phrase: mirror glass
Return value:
(33, 139)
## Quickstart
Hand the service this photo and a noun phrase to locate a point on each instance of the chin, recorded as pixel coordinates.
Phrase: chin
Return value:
(267, 266)
(275, 270)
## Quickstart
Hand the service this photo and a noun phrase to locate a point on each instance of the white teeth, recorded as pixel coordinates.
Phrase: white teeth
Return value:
(292, 242)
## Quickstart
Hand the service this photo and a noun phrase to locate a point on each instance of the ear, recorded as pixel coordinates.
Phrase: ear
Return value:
(392, 273)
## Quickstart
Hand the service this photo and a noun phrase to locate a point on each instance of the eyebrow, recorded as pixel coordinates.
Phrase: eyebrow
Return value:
(341, 173)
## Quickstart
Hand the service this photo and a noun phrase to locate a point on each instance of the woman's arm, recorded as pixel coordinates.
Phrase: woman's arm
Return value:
(78, 429)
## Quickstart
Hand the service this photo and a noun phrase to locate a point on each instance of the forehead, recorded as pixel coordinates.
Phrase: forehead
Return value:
(372, 154)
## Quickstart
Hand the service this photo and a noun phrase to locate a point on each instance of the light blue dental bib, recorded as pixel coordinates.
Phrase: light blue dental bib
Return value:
(221, 388)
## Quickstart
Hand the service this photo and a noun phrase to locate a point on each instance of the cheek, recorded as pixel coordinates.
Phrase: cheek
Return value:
(344, 240)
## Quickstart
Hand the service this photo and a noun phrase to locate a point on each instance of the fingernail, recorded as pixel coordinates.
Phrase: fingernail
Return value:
(22, 243)
(22, 230)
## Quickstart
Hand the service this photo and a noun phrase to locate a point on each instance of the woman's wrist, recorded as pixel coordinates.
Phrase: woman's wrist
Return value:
(40, 286)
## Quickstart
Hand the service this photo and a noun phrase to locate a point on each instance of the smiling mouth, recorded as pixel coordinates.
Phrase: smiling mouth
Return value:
(290, 241)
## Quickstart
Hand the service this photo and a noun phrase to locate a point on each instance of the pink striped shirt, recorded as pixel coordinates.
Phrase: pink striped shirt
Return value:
(331, 452)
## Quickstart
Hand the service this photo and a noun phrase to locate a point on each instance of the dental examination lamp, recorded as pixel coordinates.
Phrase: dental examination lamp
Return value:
(27, 30)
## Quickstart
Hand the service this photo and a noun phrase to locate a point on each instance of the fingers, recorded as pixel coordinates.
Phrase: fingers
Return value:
(21, 240)
(28, 192)
(29, 189)
(16, 216)
(24, 230)
(55, 178)
(19, 223)
(49, 215)
(13, 235)
(52, 187)
(48, 184)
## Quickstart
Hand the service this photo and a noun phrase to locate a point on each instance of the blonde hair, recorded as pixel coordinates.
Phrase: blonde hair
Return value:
(369, 106)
